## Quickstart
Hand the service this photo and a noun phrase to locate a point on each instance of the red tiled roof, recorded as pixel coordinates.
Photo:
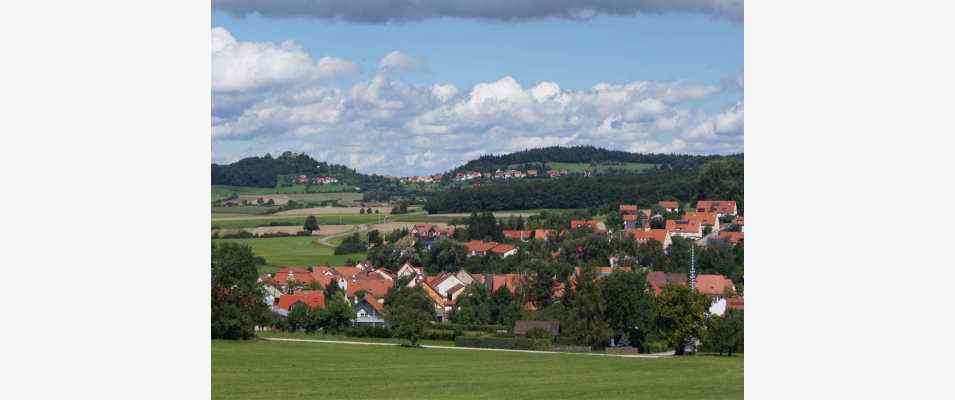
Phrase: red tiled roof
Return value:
(377, 287)
(641, 235)
(520, 235)
(683, 226)
(720, 206)
(631, 217)
(480, 245)
(628, 208)
(712, 285)
(543, 233)
(702, 218)
(312, 298)
(502, 248)
(732, 237)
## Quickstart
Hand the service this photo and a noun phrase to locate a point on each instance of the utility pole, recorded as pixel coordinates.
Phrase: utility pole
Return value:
(692, 266)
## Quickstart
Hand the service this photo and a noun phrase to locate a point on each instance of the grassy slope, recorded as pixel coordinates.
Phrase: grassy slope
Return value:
(223, 191)
(293, 251)
(329, 219)
(285, 370)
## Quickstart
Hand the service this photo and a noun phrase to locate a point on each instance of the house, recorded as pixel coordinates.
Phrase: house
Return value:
(630, 221)
(705, 219)
(368, 311)
(518, 235)
(684, 228)
(531, 172)
(544, 234)
(430, 231)
(312, 298)
(480, 248)
(643, 235)
(721, 207)
(494, 282)
(522, 326)
(731, 237)
(715, 287)
(670, 205)
(577, 224)
(628, 209)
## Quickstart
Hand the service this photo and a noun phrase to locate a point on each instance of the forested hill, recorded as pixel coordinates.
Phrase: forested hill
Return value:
(576, 154)
(718, 178)
(263, 171)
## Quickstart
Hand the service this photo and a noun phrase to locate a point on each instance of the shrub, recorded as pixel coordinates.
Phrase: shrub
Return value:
(368, 331)
(526, 343)
(484, 342)
(433, 334)
(539, 333)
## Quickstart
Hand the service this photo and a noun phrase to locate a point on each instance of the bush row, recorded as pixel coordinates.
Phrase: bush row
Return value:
(468, 327)
(368, 331)
(249, 235)
(490, 342)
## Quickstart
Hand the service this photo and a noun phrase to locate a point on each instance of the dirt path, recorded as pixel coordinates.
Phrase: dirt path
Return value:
(428, 346)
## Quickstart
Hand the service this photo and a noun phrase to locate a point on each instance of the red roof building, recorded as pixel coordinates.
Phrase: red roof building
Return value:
(518, 235)
(313, 298)
(731, 237)
(670, 205)
(718, 206)
(684, 228)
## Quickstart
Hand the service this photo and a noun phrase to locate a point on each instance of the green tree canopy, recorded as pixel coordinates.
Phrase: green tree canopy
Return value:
(311, 224)
(237, 300)
(629, 305)
(680, 315)
(408, 312)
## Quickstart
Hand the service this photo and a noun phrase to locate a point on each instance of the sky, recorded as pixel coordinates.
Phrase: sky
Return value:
(421, 86)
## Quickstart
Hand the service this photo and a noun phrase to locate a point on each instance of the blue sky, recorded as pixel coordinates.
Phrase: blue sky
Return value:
(672, 82)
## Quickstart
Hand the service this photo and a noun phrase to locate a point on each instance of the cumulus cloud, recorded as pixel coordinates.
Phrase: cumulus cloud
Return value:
(397, 61)
(244, 66)
(386, 125)
(384, 11)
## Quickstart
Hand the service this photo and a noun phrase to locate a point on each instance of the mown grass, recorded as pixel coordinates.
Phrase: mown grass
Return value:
(328, 219)
(295, 370)
(293, 251)
(318, 336)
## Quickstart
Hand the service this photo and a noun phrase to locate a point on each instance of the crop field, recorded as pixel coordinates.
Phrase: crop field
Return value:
(235, 221)
(220, 192)
(293, 251)
(581, 167)
(294, 370)
(329, 188)
(243, 210)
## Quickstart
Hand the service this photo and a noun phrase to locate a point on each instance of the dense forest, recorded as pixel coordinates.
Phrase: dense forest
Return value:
(576, 154)
(718, 178)
(263, 171)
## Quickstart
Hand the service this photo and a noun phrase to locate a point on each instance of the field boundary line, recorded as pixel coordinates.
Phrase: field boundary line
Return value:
(429, 346)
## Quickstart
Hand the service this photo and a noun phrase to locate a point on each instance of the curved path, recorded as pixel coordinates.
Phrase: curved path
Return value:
(427, 346)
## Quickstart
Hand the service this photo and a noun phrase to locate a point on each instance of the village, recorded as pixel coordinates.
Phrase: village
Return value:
(366, 286)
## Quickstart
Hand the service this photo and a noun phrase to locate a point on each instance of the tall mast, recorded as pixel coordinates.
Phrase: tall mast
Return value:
(692, 266)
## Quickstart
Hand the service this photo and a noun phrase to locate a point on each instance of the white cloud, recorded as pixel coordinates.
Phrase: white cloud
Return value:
(397, 61)
(244, 66)
(389, 126)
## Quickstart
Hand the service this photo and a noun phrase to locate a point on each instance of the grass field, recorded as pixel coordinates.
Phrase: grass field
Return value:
(244, 210)
(234, 221)
(223, 191)
(581, 167)
(293, 251)
(290, 370)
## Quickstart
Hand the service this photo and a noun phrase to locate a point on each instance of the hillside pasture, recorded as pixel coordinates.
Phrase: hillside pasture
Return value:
(293, 251)
(261, 369)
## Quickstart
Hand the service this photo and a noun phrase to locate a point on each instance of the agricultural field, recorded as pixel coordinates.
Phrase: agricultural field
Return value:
(244, 210)
(329, 188)
(293, 251)
(603, 167)
(220, 192)
(261, 369)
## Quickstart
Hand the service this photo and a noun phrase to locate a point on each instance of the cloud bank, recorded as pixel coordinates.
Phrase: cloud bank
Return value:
(388, 126)
(385, 11)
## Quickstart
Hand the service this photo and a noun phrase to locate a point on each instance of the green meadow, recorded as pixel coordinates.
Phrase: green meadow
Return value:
(301, 251)
(261, 369)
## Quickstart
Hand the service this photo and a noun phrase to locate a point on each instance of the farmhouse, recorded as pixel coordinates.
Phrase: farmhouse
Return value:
(721, 207)
(684, 228)
(644, 235)
(710, 219)
(368, 311)
(430, 231)
(312, 298)
(480, 248)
